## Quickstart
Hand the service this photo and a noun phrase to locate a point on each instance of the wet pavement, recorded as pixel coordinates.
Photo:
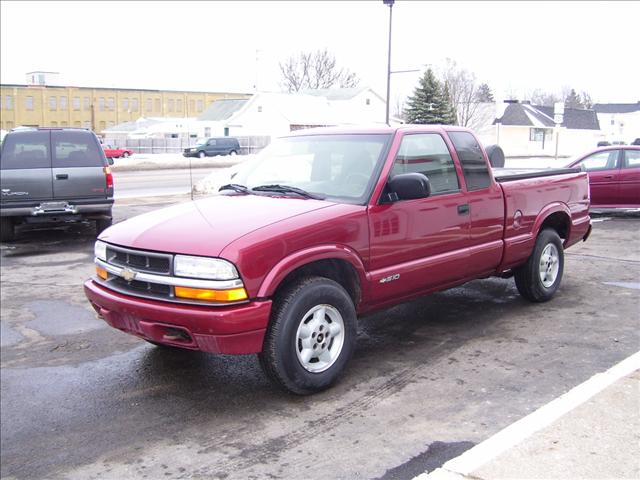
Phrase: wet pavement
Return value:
(429, 379)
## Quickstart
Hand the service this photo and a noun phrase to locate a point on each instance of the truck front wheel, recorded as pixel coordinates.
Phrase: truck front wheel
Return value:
(539, 278)
(311, 336)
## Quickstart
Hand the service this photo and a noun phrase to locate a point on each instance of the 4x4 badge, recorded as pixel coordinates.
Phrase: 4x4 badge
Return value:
(128, 274)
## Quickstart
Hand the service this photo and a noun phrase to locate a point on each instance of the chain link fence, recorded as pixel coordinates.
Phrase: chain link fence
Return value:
(177, 145)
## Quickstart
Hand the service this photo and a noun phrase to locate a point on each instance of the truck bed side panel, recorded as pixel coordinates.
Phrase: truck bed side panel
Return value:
(528, 202)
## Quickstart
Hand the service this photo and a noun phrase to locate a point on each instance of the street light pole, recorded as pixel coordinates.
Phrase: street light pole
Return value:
(390, 3)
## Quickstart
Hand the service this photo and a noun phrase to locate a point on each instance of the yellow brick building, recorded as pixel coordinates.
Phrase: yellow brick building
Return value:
(96, 108)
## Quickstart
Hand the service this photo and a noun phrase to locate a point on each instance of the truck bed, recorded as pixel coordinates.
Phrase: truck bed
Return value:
(510, 174)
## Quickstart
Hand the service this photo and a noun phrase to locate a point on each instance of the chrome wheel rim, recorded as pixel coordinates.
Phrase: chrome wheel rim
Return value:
(549, 265)
(319, 338)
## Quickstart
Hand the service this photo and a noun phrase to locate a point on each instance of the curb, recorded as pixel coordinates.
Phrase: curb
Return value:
(462, 466)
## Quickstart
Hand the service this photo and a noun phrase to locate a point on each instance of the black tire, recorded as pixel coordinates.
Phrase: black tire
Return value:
(102, 224)
(529, 277)
(201, 154)
(233, 152)
(125, 154)
(7, 229)
(280, 354)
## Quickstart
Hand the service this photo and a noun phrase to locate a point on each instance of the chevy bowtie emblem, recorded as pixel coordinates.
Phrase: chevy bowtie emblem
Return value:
(128, 274)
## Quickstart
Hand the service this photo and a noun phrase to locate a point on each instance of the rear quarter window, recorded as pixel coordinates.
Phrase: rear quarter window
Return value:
(22, 150)
(75, 149)
(474, 165)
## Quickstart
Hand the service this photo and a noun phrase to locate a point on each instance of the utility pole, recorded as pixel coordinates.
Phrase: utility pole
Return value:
(390, 4)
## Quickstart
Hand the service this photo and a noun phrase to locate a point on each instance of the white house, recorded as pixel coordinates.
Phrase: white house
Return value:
(522, 129)
(619, 122)
(358, 105)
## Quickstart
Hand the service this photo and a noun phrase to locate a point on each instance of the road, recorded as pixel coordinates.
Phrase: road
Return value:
(429, 379)
(146, 183)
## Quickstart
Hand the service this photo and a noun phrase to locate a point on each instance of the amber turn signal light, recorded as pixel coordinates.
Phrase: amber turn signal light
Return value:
(233, 295)
(102, 273)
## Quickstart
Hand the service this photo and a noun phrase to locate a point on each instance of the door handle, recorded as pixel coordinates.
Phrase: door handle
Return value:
(62, 176)
(608, 177)
(463, 209)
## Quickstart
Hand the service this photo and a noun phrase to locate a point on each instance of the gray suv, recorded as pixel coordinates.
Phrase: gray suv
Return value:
(51, 176)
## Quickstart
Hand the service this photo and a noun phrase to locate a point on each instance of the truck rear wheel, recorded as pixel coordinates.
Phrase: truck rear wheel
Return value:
(311, 336)
(539, 278)
(7, 229)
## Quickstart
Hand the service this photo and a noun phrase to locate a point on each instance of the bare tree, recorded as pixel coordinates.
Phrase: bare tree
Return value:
(541, 97)
(463, 91)
(313, 71)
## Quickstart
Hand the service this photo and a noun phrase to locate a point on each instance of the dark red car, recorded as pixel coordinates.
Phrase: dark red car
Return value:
(614, 176)
(112, 152)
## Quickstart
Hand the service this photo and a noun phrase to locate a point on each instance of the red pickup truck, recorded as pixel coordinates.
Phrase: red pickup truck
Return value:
(326, 225)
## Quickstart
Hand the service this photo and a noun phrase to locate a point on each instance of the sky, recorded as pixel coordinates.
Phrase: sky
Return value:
(515, 47)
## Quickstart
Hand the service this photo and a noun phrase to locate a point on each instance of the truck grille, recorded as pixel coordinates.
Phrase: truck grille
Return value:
(149, 262)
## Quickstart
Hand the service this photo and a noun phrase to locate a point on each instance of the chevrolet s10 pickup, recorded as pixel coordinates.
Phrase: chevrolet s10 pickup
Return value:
(326, 225)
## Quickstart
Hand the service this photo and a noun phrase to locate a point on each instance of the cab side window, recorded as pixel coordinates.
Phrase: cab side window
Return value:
(474, 166)
(427, 153)
(607, 160)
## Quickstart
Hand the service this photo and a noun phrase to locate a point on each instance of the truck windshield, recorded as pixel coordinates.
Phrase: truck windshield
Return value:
(337, 167)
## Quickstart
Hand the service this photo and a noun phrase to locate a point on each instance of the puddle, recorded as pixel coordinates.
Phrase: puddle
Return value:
(55, 317)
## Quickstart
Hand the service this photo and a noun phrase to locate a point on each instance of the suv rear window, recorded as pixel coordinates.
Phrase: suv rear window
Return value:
(25, 150)
(75, 149)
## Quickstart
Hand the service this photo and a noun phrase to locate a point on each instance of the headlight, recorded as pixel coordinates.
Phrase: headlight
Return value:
(203, 267)
(100, 250)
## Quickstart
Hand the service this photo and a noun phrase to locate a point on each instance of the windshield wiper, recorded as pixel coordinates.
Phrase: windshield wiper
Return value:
(287, 189)
(236, 187)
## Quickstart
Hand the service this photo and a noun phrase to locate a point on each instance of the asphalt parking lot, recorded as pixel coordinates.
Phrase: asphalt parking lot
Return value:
(430, 378)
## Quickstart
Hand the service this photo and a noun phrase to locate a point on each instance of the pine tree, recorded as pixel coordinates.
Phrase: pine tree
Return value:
(449, 114)
(484, 94)
(428, 105)
(573, 100)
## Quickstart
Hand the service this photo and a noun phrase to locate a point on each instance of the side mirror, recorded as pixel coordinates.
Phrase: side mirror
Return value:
(110, 160)
(409, 186)
(496, 156)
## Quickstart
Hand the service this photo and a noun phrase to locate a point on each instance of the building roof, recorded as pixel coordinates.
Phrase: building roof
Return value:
(617, 107)
(333, 94)
(222, 109)
(140, 123)
(296, 108)
(523, 114)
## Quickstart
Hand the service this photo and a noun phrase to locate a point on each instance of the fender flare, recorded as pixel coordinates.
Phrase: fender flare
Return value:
(309, 255)
(546, 212)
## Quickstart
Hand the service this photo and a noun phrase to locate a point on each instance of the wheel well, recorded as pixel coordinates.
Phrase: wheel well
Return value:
(559, 222)
(340, 271)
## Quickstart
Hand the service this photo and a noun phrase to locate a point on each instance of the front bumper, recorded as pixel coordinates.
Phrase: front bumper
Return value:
(237, 329)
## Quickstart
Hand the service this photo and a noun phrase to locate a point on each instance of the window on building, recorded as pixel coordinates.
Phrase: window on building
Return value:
(474, 166)
(76, 103)
(540, 134)
(192, 105)
(86, 124)
(179, 105)
(125, 104)
(54, 124)
(259, 108)
(87, 103)
(149, 105)
(200, 105)
(28, 103)
(101, 104)
(103, 125)
(63, 102)
(111, 103)
(158, 106)
(9, 102)
(53, 103)
(9, 125)
(64, 124)
(111, 124)
(134, 104)
(427, 154)
(368, 101)
(170, 104)
(77, 124)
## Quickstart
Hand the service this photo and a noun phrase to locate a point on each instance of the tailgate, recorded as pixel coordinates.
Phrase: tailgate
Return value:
(78, 166)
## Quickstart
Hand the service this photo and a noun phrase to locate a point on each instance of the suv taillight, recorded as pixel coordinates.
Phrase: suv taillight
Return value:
(108, 177)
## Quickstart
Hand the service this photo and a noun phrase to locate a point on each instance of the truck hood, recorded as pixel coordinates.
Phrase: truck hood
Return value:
(204, 227)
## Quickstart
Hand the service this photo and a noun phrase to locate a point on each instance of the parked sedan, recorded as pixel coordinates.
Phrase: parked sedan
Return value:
(614, 176)
(113, 152)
